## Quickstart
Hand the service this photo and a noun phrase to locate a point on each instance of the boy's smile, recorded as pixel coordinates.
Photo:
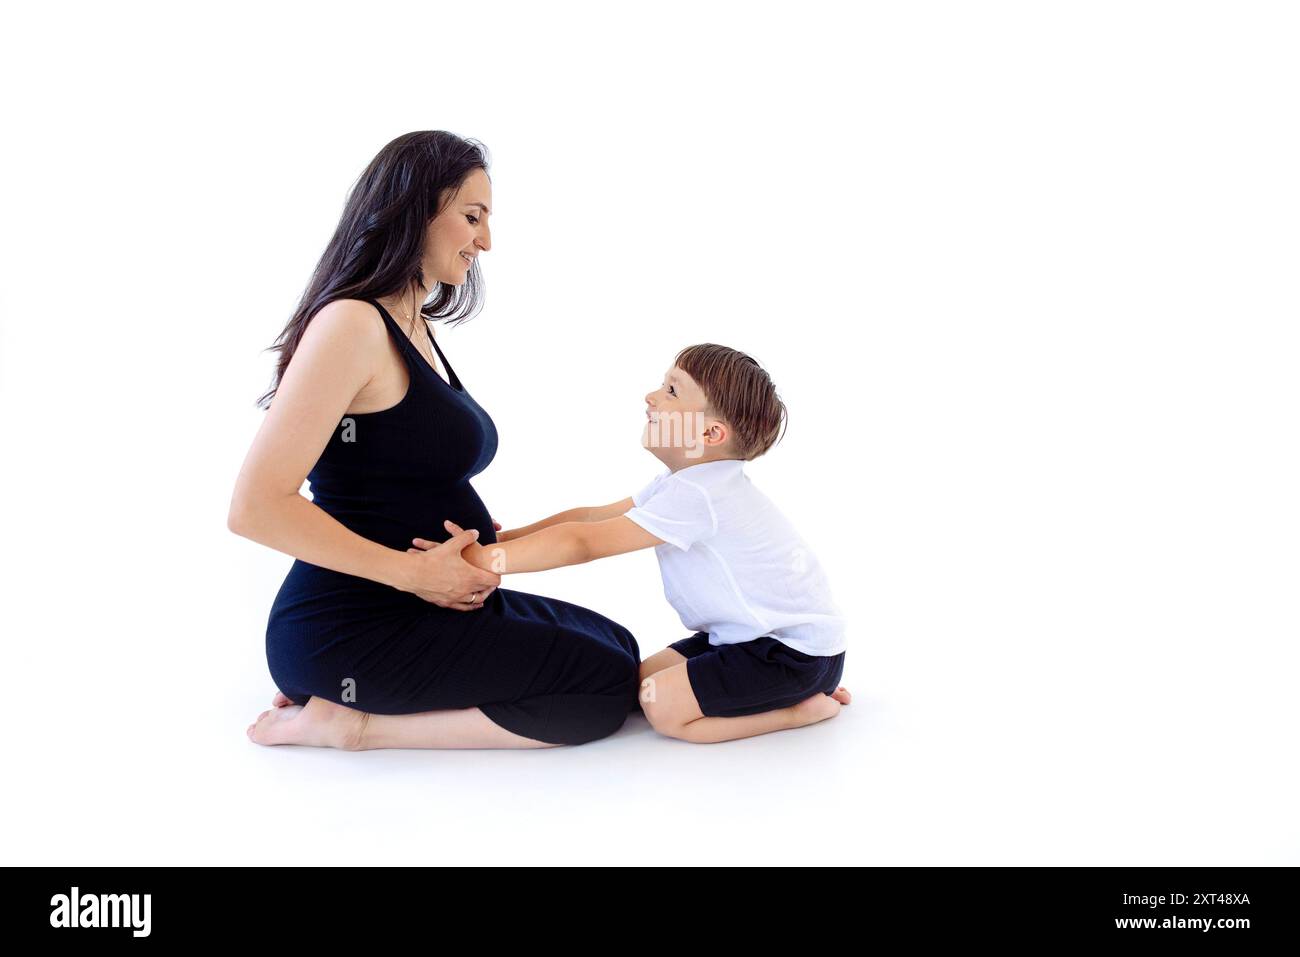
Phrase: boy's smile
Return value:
(680, 428)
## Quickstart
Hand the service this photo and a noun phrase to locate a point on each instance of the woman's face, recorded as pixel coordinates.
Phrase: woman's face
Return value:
(459, 231)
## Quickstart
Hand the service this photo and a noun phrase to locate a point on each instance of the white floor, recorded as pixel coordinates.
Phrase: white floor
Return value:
(121, 766)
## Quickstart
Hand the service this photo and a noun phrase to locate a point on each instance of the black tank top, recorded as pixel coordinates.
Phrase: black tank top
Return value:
(396, 474)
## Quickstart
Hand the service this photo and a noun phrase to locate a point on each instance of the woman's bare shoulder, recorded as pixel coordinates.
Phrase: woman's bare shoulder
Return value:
(351, 319)
(349, 330)
(344, 338)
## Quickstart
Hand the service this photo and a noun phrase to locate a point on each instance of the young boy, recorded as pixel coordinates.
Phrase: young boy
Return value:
(768, 648)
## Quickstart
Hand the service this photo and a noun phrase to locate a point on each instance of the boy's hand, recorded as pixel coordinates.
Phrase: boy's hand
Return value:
(455, 530)
(474, 553)
(567, 543)
(446, 579)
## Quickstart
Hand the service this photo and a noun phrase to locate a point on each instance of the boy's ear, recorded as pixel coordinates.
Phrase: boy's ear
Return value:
(717, 433)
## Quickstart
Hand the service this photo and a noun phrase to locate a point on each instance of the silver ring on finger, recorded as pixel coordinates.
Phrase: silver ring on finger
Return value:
(473, 599)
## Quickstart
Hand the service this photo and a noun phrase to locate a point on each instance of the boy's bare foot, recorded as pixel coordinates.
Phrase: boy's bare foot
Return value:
(281, 700)
(820, 707)
(319, 724)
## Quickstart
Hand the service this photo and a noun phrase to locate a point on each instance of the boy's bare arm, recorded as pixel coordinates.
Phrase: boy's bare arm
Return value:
(612, 510)
(569, 543)
(597, 514)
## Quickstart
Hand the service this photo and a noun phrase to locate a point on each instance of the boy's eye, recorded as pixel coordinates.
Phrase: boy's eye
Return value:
(672, 390)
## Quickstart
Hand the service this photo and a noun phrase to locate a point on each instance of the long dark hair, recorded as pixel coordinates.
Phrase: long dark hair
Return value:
(378, 246)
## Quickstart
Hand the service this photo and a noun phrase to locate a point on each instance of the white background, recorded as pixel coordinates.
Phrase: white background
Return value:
(1025, 274)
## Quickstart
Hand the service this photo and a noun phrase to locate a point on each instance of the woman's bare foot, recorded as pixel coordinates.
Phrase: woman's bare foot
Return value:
(319, 724)
(820, 707)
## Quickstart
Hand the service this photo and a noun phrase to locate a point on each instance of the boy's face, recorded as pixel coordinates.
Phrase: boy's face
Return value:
(680, 430)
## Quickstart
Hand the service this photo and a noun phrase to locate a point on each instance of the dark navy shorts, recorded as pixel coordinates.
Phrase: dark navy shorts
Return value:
(754, 676)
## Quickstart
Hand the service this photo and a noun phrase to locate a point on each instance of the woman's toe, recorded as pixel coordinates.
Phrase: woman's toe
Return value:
(277, 726)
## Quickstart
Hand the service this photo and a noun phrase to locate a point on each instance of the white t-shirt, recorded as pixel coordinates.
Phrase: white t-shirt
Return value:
(732, 564)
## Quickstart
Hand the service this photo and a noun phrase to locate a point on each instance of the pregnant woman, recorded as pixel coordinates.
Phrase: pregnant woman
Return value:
(373, 643)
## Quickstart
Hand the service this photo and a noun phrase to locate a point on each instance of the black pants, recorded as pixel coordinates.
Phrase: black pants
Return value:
(542, 668)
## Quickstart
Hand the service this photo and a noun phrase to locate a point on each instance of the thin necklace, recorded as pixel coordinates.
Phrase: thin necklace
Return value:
(428, 355)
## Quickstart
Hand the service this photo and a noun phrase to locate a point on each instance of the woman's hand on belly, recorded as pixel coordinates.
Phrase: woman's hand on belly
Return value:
(442, 577)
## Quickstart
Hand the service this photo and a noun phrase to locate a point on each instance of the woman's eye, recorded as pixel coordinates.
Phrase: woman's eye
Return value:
(473, 219)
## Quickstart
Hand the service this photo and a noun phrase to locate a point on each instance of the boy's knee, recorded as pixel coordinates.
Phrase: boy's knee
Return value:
(663, 723)
(660, 710)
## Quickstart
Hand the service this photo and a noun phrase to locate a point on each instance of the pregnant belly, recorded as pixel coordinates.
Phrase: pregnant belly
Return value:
(394, 519)
(461, 505)
(316, 606)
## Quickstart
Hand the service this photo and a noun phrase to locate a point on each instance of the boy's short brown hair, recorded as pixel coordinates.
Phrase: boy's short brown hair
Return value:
(740, 393)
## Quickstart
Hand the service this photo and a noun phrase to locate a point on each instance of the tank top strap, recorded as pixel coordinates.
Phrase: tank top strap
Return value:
(412, 354)
(455, 379)
(394, 329)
